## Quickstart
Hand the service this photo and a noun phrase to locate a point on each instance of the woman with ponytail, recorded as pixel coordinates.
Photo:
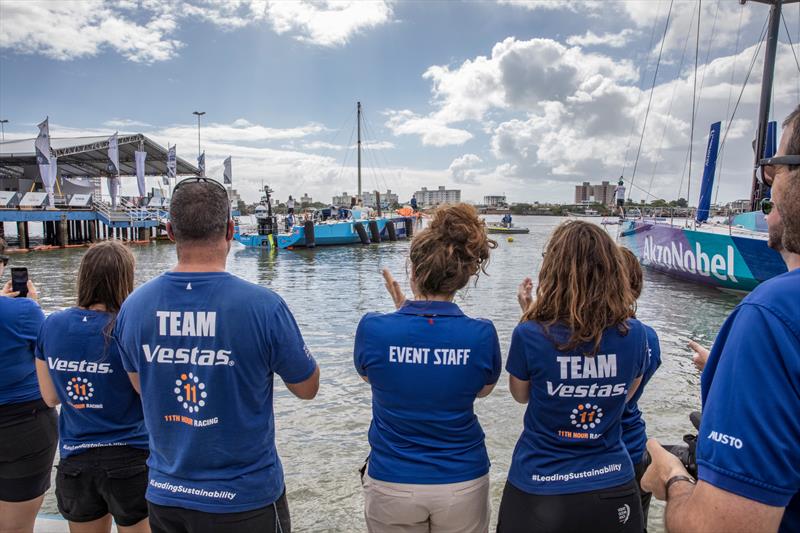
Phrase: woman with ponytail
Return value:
(428, 468)
(575, 359)
(103, 442)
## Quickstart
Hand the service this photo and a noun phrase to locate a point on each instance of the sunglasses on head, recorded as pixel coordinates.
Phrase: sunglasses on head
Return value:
(4, 259)
(201, 179)
(767, 205)
(768, 165)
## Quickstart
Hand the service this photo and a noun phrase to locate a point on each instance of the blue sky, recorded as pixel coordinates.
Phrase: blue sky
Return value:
(522, 98)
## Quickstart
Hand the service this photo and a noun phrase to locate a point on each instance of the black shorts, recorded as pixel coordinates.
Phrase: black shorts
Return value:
(289, 210)
(620, 202)
(28, 442)
(274, 518)
(616, 509)
(639, 469)
(111, 479)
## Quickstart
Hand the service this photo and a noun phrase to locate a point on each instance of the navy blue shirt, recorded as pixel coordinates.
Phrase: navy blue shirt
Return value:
(634, 433)
(748, 441)
(571, 441)
(99, 406)
(20, 320)
(426, 364)
(206, 347)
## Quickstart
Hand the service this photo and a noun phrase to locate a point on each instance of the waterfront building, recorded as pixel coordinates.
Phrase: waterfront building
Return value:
(426, 198)
(495, 201)
(342, 200)
(586, 193)
(388, 198)
(306, 200)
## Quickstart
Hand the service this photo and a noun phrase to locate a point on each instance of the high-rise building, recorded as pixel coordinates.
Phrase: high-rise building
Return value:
(494, 201)
(426, 198)
(306, 200)
(587, 193)
(387, 198)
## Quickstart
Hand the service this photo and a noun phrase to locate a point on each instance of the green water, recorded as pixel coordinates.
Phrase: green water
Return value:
(323, 442)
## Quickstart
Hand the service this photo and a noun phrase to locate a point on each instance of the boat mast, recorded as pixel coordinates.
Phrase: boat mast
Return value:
(758, 189)
(358, 120)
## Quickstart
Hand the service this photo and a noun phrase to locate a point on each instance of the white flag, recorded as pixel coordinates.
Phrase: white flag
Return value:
(227, 176)
(140, 158)
(201, 164)
(172, 166)
(165, 180)
(113, 155)
(45, 159)
(113, 190)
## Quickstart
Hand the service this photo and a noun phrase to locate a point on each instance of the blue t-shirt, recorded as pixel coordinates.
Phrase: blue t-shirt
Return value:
(20, 320)
(99, 406)
(206, 346)
(426, 364)
(572, 436)
(748, 441)
(634, 434)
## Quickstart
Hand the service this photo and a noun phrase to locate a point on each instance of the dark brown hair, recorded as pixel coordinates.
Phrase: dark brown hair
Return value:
(198, 211)
(106, 277)
(634, 269)
(451, 250)
(583, 285)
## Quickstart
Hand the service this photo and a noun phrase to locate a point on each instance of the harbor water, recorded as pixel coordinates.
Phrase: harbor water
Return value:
(324, 442)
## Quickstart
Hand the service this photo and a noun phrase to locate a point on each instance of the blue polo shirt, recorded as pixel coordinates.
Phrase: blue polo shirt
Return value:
(206, 347)
(748, 440)
(426, 364)
(20, 320)
(634, 434)
(572, 436)
(99, 406)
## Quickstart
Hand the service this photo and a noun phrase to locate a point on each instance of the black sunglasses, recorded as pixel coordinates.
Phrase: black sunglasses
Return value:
(767, 176)
(201, 179)
(767, 205)
(4, 259)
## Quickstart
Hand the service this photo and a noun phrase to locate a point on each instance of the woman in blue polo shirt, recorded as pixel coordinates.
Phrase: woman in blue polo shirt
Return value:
(103, 440)
(575, 358)
(426, 363)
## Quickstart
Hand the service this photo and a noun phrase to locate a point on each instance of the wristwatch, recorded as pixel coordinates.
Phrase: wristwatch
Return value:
(674, 479)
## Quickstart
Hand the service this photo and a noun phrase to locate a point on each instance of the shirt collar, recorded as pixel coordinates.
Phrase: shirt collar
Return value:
(432, 308)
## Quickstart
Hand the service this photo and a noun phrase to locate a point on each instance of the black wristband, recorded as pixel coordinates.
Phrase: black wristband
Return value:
(674, 479)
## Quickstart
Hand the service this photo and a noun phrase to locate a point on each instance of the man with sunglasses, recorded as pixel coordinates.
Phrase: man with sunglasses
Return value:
(747, 452)
(202, 346)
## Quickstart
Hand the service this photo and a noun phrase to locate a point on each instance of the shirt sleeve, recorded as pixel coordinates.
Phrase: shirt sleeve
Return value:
(644, 352)
(750, 428)
(289, 356)
(497, 358)
(31, 323)
(38, 351)
(360, 350)
(517, 363)
(126, 355)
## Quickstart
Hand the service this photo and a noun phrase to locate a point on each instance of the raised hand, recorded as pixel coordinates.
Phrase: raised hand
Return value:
(394, 289)
(700, 355)
(524, 294)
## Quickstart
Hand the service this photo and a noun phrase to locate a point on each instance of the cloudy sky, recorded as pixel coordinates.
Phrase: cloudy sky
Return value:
(525, 98)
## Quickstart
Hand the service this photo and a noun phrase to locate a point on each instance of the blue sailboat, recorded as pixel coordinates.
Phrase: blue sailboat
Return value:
(733, 255)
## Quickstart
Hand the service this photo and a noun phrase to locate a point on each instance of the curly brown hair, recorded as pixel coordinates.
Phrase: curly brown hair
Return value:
(583, 284)
(634, 269)
(451, 250)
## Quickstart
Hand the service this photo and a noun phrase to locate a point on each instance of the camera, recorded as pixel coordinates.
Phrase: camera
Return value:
(686, 451)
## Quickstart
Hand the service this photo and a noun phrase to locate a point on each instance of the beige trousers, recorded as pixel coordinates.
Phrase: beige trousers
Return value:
(404, 508)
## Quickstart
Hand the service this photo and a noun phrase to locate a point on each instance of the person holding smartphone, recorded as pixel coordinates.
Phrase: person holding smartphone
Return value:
(428, 468)
(28, 427)
(102, 472)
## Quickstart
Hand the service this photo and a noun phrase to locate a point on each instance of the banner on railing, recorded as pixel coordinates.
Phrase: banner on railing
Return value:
(140, 158)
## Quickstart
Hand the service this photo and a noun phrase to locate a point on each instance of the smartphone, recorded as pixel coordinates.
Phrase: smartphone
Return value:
(19, 281)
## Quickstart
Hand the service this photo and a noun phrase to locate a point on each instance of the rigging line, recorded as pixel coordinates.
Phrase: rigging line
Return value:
(650, 99)
(671, 101)
(371, 130)
(791, 44)
(721, 158)
(694, 101)
(346, 153)
(741, 93)
(371, 154)
(639, 99)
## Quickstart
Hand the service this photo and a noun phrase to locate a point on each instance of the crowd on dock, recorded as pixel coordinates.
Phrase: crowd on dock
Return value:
(166, 391)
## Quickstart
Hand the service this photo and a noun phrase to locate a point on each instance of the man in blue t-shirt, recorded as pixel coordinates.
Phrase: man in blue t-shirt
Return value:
(747, 453)
(203, 346)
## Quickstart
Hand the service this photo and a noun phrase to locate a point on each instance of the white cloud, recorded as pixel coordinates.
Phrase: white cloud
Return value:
(432, 131)
(465, 169)
(242, 131)
(614, 40)
(126, 123)
(322, 145)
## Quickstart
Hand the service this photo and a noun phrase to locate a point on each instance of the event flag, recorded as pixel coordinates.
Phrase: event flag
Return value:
(172, 164)
(45, 159)
(201, 164)
(113, 155)
(165, 181)
(227, 175)
(113, 190)
(140, 158)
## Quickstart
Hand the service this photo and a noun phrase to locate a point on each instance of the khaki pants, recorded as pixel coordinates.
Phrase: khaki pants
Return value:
(404, 508)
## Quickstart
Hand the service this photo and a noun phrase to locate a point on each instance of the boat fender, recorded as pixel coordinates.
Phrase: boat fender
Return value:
(362, 233)
(409, 227)
(308, 229)
(374, 232)
(511, 239)
(390, 229)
